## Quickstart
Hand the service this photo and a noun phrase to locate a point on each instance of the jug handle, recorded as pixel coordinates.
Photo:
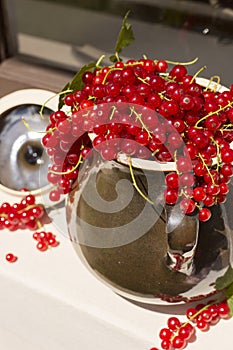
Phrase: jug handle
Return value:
(182, 237)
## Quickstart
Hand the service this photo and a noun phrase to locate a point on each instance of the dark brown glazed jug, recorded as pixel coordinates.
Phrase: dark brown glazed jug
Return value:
(151, 253)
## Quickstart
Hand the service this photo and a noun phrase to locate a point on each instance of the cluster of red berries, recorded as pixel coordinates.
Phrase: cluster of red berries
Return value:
(22, 215)
(146, 110)
(45, 240)
(26, 215)
(177, 334)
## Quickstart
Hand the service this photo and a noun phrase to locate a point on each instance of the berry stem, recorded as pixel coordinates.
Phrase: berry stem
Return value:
(135, 183)
(30, 207)
(197, 73)
(99, 61)
(218, 157)
(207, 169)
(211, 113)
(161, 94)
(50, 98)
(68, 171)
(31, 129)
(142, 80)
(112, 113)
(211, 80)
(108, 72)
(139, 117)
(39, 224)
(182, 63)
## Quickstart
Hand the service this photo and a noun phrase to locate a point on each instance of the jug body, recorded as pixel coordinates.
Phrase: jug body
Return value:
(146, 252)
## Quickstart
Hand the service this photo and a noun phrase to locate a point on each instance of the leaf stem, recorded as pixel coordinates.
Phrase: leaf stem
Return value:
(117, 56)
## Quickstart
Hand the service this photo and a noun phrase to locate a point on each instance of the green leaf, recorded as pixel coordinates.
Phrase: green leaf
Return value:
(226, 280)
(229, 296)
(225, 284)
(113, 58)
(76, 83)
(125, 38)
(229, 291)
(230, 304)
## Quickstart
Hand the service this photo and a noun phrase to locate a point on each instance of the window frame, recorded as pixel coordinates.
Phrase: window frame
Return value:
(8, 38)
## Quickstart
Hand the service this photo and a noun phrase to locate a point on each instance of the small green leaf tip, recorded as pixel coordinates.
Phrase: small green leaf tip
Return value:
(226, 280)
(125, 38)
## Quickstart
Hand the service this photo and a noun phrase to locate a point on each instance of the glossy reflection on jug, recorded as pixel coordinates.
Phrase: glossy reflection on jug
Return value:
(151, 253)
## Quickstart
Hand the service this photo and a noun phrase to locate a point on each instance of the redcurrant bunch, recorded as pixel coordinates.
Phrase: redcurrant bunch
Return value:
(45, 240)
(23, 215)
(177, 334)
(146, 109)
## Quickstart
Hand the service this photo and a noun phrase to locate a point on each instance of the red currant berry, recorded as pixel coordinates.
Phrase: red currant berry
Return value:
(223, 310)
(42, 246)
(178, 72)
(170, 196)
(223, 187)
(206, 315)
(186, 331)
(69, 100)
(178, 342)
(204, 214)
(5, 208)
(187, 205)
(142, 138)
(209, 200)
(212, 189)
(161, 66)
(54, 195)
(191, 314)
(87, 77)
(227, 155)
(173, 323)
(52, 242)
(166, 345)
(186, 102)
(199, 194)
(172, 180)
(183, 164)
(11, 258)
(202, 325)
(187, 179)
(108, 153)
(165, 334)
(212, 122)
